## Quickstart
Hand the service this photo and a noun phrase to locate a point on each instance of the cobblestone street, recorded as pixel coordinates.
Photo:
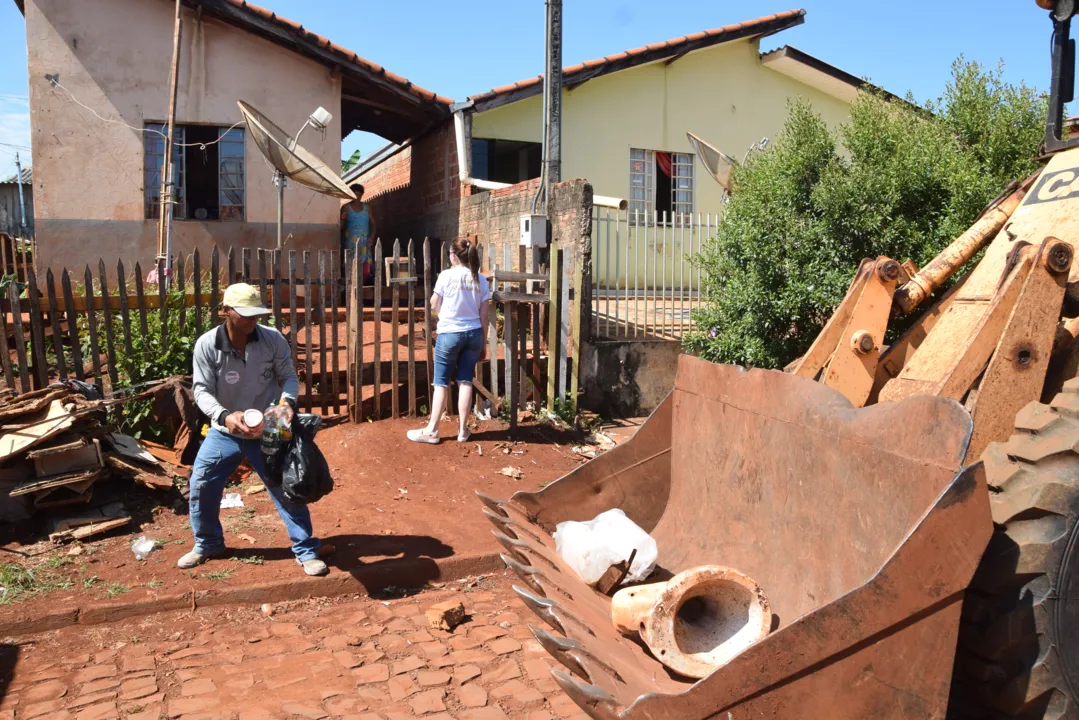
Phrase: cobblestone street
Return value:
(350, 658)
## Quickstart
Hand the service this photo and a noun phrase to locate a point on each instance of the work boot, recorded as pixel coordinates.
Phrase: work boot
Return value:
(195, 558)
(314, 566)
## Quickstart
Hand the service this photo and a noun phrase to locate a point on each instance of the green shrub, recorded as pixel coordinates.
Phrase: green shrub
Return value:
(897, 180)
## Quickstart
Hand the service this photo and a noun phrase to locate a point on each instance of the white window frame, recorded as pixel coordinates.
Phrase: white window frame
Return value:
(642, 185)
(642, 169)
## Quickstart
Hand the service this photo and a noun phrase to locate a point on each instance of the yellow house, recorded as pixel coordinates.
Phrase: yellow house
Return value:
(625, 116)
(624, 128)
(625, 119)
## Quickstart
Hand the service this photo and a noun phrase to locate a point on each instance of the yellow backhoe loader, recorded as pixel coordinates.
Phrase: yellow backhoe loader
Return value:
(911, 510)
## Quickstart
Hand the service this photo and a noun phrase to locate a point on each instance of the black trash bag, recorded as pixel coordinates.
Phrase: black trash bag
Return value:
(88, 391)
(305, 477)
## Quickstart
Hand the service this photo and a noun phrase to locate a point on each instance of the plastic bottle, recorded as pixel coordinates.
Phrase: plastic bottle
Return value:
(276, 430)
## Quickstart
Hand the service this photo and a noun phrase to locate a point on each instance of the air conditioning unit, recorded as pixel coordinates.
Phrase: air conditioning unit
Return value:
(533, 231)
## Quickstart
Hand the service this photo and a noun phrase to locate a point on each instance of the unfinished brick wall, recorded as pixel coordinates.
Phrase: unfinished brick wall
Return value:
(402, 188)
(416, 193)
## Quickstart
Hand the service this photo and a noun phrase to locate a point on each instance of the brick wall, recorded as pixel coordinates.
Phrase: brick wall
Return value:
(416, 193)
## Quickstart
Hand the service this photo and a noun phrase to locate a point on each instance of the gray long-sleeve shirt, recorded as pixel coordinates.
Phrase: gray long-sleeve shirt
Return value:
(226, 380)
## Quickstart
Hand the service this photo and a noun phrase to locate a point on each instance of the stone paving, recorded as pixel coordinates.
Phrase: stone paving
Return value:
(351, 659)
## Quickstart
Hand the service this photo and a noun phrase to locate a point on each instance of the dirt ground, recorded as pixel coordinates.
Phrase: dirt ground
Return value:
(393, 500)
(346, 658)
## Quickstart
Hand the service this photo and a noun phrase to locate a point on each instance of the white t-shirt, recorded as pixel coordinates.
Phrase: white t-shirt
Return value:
(461, 299)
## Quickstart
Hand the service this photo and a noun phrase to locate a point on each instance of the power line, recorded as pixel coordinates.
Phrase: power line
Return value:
(56, 84)
(17, 147)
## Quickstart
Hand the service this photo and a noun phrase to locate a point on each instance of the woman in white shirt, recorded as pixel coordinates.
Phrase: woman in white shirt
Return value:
(460, 300)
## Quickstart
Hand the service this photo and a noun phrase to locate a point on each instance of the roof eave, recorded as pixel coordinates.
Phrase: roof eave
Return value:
(579, 74)
(832, 71)
(429, 106)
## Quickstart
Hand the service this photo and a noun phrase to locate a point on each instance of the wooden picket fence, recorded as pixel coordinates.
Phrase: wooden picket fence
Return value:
(523, 362)
(65, 327)
(365, 351)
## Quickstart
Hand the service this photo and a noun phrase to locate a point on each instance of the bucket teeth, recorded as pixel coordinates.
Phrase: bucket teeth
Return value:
(595, 701)
(501, 522)
(559, 648)
(516, 546)
(525, 572)
(571, 653)
(513, 547)
(550, 612)
(495, 505)
(541, 606)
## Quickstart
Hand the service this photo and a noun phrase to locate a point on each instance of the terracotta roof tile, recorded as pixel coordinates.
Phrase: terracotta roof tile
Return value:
(719, 34)
(345, 53)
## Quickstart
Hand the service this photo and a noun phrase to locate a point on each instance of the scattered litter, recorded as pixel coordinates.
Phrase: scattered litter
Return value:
(248, 538)
(143, 547)
(254, 489)
(479, 450)
(267, 609)
(485, 412)
(76, 550)
(402, 491)
(512, 472)
(604, 440)
(232, 500)
(584, 451)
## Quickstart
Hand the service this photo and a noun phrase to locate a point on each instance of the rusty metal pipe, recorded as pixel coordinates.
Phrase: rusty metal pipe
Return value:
(913, 293)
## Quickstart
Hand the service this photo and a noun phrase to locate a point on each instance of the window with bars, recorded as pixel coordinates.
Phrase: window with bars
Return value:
(208, 172)
(661, 185)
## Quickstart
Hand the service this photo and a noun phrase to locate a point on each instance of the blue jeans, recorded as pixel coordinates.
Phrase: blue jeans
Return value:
(218, 458)
(456, 355)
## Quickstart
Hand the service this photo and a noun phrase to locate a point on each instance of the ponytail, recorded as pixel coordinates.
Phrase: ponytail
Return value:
(468, 252)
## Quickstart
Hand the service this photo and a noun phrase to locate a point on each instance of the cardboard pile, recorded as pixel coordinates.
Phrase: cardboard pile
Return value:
(55, 447)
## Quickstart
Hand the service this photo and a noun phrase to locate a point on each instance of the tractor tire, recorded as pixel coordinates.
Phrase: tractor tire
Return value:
(1018, 652)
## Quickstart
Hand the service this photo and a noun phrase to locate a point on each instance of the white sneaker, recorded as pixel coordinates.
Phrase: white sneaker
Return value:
(422, 436)
(464, 436)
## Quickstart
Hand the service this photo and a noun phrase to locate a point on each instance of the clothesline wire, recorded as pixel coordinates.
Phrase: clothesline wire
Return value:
(71, 95)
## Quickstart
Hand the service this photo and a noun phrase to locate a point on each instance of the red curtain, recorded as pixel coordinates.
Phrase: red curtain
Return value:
(663, 162)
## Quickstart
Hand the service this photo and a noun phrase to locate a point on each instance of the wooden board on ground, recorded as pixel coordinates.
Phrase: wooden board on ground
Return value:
(15, 439)
(154, 478)
(131, 448)
(89, 523)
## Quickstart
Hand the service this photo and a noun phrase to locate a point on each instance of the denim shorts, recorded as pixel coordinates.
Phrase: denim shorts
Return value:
(456, 355)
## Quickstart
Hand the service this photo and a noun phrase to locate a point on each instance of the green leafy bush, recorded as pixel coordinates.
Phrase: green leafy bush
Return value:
(896, 180)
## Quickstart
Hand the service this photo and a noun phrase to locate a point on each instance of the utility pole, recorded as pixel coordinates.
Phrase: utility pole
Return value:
(552, 92)
(22, 200)
(164, 238)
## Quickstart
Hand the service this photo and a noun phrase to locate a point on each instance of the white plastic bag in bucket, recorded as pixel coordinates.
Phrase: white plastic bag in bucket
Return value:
(590, 548)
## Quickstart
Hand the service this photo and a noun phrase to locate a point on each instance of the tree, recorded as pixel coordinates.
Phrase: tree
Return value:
(897, 180)
(350, 162)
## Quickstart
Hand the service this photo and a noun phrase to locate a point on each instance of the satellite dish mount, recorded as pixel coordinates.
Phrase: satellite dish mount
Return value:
(291, 161)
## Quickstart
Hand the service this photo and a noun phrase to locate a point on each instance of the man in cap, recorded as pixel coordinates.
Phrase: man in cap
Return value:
(241, 365)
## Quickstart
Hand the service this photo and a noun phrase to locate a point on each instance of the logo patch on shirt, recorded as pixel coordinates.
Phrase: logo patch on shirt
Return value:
(232, 377)
(267, 373)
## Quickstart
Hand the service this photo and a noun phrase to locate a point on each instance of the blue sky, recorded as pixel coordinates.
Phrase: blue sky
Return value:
(460, 49)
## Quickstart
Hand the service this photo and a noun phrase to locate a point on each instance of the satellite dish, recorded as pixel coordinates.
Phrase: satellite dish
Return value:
(291, 160)
(718, 164)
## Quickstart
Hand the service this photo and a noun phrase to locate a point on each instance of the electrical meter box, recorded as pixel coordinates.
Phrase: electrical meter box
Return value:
(534, 231)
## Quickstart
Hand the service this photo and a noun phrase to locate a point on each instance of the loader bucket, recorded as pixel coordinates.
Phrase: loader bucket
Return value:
(857, 523)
